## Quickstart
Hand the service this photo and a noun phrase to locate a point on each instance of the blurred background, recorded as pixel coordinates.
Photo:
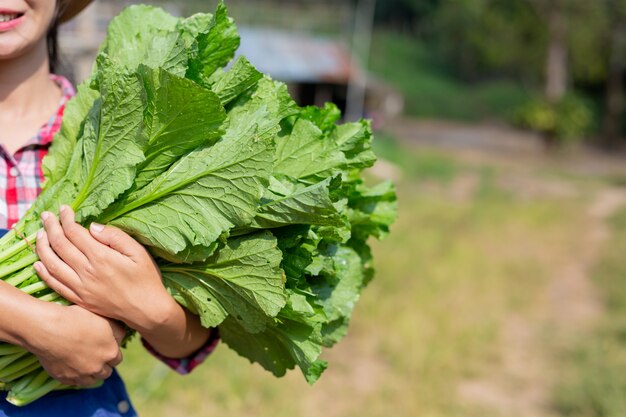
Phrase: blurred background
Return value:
(500, 291)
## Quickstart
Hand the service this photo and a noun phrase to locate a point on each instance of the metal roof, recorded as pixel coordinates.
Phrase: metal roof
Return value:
(296, 57)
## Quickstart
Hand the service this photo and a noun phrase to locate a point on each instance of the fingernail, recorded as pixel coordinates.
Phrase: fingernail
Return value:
(62, 208)
(96, 227)
(45, 215)
(40, 234)
(37, 266)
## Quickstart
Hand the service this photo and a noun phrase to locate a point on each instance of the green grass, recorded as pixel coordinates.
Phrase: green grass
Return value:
(430, 88)
(422, 165)
(431, 318)
(594, 384)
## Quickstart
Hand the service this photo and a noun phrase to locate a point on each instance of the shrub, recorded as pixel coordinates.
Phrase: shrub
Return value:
(566, 121)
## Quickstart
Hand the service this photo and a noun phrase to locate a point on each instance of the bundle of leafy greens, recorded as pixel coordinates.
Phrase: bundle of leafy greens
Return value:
(253, 207)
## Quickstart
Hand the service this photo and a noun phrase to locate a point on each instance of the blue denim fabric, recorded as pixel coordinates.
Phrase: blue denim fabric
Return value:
(109, 400)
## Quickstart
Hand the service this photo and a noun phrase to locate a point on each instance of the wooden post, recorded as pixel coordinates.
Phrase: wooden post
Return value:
(361, 43)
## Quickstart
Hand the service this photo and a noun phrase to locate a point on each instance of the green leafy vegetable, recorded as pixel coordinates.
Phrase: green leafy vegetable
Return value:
(253, 207)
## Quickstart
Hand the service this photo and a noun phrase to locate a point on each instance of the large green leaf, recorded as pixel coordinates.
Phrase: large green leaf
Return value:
(215, 47)
(338, 286)
(306, 154)
(203, 195)
(292, 340)
(243, 280)
(56, 162)
(372, 210)
(240, 78)
(179, 117)
(310, 154)
(286, 203)
(325, 118)
(146, 35)
(112, 142)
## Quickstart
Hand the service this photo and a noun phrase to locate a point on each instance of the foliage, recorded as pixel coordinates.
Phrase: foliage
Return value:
(431, 88)
(568, 120)
(486, 37)
(411, 15)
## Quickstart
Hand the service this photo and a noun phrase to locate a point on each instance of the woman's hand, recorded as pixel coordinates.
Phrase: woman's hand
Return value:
(75, 346)
(103, 270)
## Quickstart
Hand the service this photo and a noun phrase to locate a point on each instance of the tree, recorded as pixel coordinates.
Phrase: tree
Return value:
(616, 64)
(406, 15)
(486, 38)
(555, 15)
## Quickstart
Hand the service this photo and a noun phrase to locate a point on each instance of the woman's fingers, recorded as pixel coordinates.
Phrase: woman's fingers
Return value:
(59, 242)
(54, 271)
(118, 359)
(117, 240)
(83, 382)
(78, 235)
(106, 372)
(57, 286)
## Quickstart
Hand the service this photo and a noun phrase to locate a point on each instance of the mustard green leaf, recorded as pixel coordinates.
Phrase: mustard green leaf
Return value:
(243, 279)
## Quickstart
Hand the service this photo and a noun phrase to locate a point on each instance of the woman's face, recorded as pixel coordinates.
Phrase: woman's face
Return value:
(24, 25)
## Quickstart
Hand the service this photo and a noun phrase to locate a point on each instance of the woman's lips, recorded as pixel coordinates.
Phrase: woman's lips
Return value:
(9, 20)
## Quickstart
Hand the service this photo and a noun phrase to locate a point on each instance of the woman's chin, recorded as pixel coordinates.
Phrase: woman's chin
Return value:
(13, 47)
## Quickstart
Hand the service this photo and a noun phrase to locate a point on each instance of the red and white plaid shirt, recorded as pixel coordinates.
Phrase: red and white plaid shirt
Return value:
(21, 179)
(21, 176)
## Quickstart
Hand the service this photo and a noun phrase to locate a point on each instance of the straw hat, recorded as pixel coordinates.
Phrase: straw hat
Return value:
(70, 8)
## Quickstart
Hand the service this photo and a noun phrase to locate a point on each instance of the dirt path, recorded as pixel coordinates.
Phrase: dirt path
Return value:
(503, 145)
(520, 384)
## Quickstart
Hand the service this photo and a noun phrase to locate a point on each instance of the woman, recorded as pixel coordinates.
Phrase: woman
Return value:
(109, 276)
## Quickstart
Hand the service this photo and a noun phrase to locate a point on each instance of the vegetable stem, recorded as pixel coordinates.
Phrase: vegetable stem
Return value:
(22, 372)
(34, 390)
(35, 288)
(28, 260)
(9, 236)
(52, 297)
(17, 366)
(25, 381)
(21, 277)
(17, 247)
(8, 360)
(6, 349)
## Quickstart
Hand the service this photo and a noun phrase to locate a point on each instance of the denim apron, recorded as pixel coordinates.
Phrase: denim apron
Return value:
(108, 400)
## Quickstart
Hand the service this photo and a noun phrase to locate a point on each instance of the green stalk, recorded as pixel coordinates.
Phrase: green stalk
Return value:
(35, 288)
(8, 360)
(49, 298)
(18, 247)
(6, 349)
(17, 366)
(34, 390)
(9, 236)
(22, 372)
(21, 277)
(28, 260)
(52, 297)
(24, 381)
(127, 208)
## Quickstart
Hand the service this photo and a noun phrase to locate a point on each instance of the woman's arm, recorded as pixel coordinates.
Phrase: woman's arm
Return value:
(74, 345)
(107, 272)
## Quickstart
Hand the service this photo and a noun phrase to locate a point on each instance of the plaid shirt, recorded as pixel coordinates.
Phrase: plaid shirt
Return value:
(21, 178)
